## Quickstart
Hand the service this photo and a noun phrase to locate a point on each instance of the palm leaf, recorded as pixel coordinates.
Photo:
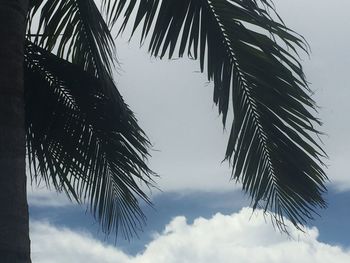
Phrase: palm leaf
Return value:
(252, 60)
(76, 31)
(83, 141)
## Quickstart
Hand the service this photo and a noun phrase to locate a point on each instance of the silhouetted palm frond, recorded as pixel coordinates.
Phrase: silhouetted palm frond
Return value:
(85, 142)
(248, 56)
(76, 31)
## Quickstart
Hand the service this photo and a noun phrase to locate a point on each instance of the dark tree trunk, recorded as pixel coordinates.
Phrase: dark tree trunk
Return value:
(14, 221)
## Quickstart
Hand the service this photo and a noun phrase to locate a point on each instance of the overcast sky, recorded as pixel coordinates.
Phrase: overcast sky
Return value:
(173, 103)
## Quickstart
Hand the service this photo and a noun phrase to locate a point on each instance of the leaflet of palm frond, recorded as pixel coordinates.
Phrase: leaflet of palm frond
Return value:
(84, 142)
(76, 31)
(252, 60)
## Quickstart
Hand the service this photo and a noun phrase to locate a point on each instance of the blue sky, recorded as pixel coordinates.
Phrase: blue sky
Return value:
(174, 105)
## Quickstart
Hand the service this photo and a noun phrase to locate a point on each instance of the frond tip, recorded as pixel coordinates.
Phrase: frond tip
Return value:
(85, 142)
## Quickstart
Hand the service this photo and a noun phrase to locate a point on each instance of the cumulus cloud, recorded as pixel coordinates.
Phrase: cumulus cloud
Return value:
(242, 237)
(56, 245)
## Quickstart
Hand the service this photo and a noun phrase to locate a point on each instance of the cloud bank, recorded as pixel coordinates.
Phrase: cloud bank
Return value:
(41, 196)
(242, 237)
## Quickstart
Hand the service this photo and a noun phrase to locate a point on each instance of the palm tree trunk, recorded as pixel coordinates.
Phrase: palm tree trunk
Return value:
(14, 220)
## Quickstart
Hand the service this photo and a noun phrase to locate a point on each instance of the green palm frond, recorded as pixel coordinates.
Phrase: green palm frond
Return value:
(85, 142)
(249, 57)
(76, 31)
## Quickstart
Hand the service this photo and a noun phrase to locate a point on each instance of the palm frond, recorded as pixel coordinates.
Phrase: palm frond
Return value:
(75, 30)
(252, 60)
(85, 142)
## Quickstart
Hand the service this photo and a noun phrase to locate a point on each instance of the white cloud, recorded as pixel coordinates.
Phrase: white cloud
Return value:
(54, 245)
(339, 172)
(44, 197)
(240, 237)
(179, 116)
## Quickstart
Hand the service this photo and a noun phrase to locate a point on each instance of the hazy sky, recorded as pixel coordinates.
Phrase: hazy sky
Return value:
(173, 103)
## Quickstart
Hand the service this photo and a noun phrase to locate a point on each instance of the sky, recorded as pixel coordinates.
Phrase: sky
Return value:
(200, 215)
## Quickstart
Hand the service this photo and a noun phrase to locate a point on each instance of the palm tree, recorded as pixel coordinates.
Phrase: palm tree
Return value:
(60, 105)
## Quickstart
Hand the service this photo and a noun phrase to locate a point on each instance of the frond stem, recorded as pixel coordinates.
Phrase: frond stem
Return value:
(251, 105)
